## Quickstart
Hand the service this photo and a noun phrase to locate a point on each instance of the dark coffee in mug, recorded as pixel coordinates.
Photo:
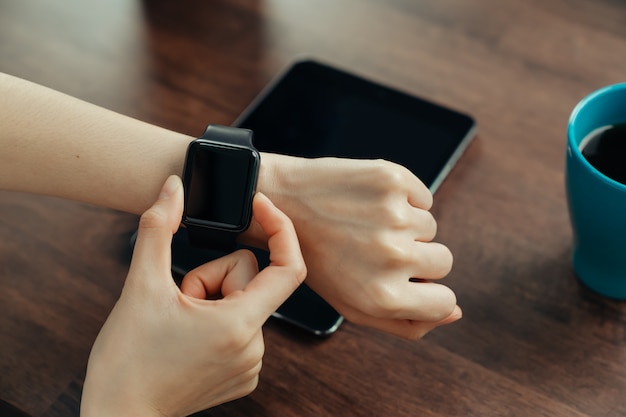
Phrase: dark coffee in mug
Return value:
(605, 149)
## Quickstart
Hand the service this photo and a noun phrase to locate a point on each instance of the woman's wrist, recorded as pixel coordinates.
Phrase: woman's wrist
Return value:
(275, 176)
(105, 401)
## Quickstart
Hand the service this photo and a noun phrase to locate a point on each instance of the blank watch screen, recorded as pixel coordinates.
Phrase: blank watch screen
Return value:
(220, 187)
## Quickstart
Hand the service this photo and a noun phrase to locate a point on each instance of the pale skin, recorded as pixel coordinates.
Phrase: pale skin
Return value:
(162, 352)
(343, 210)
(324, 219)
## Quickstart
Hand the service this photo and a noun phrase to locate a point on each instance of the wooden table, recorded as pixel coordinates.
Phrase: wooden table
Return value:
(532, 342)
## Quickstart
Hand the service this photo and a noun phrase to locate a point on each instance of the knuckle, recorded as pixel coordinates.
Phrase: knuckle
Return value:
(395, 217)
(429, 224)
(152, 219)
(389, 173)
(440, 304)
(297, 275)
(446, 305)
(395, 255)
(435, 263)
(427, 198)
(300, 271)
(451, 302)
(248, 257)
(384, 300)
(400, 177)
(396, 179)
(447, 260)
(246, 254)
(297, 270)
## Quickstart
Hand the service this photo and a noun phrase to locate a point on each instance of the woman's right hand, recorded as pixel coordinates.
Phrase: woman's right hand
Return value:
(168, 352)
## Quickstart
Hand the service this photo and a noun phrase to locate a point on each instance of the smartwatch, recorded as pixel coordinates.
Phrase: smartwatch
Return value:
(219, 178)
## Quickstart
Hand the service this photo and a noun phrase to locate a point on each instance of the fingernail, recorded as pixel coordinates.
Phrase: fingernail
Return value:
(457, 314)
(169, 188)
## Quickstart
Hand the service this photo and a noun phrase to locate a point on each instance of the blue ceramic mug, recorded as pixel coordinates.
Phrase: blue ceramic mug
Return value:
(597, 203)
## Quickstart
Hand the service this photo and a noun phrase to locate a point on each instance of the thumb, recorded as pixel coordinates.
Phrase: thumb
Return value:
(152, 254)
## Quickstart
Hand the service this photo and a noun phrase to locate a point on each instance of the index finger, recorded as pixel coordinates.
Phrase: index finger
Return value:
(418, 193)
(286, 271)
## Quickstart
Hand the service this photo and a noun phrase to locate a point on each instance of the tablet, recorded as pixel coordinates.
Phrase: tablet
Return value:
(316, 110)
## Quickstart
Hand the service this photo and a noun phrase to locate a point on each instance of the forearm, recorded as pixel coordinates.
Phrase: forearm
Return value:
(54, 144)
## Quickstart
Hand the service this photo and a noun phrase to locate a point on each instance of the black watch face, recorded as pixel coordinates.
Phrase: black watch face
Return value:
(220, 181)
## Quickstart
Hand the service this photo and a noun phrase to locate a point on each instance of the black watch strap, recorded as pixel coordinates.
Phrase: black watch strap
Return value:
(227, 134)
(220, 240)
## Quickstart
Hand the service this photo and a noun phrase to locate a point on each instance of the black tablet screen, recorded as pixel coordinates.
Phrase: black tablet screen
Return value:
(315, 110)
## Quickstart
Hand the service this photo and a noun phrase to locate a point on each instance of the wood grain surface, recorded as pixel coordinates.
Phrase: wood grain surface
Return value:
(533, 341)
